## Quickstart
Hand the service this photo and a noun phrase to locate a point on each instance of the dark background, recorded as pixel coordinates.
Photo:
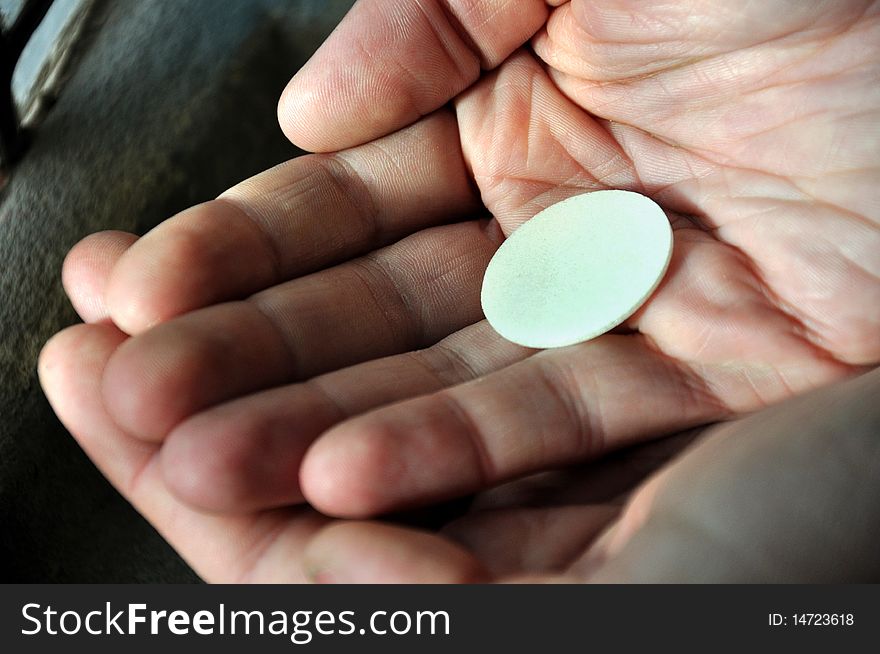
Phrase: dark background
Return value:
(168, 103)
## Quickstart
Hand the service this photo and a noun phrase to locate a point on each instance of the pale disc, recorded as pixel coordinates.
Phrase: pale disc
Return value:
(577, 269)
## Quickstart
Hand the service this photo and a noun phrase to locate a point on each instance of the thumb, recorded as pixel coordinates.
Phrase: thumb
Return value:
(389, 62)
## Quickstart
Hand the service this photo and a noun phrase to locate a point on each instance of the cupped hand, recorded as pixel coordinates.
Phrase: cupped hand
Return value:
(316, 331)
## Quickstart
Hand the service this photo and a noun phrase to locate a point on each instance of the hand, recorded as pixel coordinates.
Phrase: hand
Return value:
(759, 303)
(786, 495)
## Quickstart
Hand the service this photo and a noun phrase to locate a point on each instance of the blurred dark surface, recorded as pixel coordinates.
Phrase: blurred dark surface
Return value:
(169, 102)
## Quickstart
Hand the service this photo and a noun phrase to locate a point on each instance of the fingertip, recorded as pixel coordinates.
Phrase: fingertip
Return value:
(121, 391)
(87, 269)
(70, 356)
(50, 363)
(141, 394)
(394, 458)
(325, 108)
(209, 253)
(197, 474)
(81, 339)
(371, 552)
(295, 116)
(345, 474)
(232, 459)
(130, 292)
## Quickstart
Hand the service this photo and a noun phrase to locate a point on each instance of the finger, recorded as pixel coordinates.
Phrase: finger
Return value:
(370, 553)
(256, 547)
(87, 268)
(555, 408)
(246, 454)
(291, 220)
(390, 62)
(530, 540)
(403, 297)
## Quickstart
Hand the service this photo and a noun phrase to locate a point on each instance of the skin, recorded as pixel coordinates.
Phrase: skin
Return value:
(315, 333)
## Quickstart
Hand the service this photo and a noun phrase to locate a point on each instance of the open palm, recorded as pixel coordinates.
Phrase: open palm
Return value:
(756, 132)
